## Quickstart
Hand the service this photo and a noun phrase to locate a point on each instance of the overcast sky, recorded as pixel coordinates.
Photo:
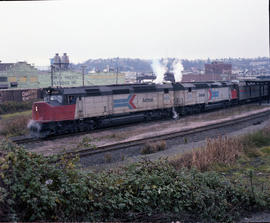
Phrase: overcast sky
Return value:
(35, 31)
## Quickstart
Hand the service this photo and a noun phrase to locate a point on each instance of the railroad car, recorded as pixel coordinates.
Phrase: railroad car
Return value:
(19, 95)
(190, 97)
(85, 108)
(252, 92)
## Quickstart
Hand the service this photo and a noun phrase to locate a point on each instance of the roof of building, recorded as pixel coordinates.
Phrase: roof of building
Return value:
(6, 66)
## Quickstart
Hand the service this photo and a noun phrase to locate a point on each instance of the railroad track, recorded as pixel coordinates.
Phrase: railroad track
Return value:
(87, 152)
(29, 139)
(167, 136)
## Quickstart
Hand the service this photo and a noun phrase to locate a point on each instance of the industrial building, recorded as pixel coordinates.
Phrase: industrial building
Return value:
(24, 75)
(218, 68)
(19, 75)
(216, 71)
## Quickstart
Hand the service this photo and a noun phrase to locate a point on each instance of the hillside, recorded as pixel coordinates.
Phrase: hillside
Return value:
(257, 65)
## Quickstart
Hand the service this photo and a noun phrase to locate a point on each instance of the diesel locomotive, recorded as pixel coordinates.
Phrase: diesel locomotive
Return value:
(67, 110)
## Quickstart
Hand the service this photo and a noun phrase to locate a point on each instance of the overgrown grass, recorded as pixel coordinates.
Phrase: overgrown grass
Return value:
(14, 125)
(225, 151)
(14, 118)
(34, 189)
(246, 158)
(221, 150)
(13, 106)
(16, 114)
(86, 142)
(251, 142)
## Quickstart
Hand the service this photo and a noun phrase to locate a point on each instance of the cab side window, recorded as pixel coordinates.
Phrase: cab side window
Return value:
(71, 99)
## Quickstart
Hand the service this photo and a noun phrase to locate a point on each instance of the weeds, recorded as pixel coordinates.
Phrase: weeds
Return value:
(251, 142)
(266, 150)
(257, 139)
(222, 150)
(15, 126)
(153, 147)
(108, 157)
(115, 136)
(86, 142)
(13, 106)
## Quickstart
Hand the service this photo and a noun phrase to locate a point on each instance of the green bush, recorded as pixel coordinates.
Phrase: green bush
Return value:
(35, 188)
(13, 106)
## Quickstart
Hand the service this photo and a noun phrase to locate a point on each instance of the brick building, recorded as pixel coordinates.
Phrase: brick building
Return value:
(216, 71)
(218, 68)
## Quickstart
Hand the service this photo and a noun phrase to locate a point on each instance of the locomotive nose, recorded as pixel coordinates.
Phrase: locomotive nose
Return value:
(38, 110)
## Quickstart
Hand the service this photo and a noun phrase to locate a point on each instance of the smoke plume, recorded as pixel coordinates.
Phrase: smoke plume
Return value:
(159, 70)
(177, 70)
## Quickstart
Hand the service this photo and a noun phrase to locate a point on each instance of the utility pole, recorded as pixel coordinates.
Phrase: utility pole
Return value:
(117, 68)
(52, 75)
(83, 69)
(269, 46)
(60, 76)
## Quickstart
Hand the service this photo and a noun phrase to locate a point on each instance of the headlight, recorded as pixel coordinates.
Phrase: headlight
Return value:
(36, 108)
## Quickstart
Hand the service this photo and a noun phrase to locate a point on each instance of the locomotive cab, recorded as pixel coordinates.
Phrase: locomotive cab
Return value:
(56, 107)
(54, 99)
(48, 115)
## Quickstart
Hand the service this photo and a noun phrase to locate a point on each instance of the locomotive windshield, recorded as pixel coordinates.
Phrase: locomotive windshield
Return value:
(56, 98)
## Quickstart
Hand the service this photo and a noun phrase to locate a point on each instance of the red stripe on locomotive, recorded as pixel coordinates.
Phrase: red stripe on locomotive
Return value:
(234, 94)
(44, 112)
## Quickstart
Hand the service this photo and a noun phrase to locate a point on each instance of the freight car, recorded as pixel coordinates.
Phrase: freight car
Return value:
(20, 95)
(85, 108)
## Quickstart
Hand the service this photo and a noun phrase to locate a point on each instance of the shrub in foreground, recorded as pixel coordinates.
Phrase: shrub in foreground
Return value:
(34, 189)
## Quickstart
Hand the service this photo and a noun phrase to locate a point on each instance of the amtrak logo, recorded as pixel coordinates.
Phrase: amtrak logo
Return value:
(126, 102)
(213, 94)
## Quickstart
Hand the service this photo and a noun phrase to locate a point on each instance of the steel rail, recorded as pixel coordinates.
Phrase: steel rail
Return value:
(165, 136)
